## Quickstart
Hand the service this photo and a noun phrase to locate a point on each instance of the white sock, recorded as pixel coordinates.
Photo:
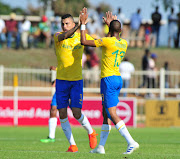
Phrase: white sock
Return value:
(105, 130)
(121, 127)
(52, 127)
(67, 130)
(85, 123)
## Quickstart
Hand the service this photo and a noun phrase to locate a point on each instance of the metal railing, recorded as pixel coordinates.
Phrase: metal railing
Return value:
(40, 80)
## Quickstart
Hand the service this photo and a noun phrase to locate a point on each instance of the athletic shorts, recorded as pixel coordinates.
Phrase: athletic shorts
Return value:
(53, 101)
(110, 89)
(69, 93)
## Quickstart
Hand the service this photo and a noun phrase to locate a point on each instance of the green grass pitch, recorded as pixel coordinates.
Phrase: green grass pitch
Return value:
(24, 143)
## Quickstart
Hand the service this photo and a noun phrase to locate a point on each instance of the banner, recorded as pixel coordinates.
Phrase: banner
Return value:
(35, 112)
(165, 113)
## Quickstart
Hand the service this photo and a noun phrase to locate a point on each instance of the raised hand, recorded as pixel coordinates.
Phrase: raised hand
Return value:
(109, 18)
(83, 16)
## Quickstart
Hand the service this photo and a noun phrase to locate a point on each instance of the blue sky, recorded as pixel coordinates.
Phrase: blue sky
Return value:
(128, 6)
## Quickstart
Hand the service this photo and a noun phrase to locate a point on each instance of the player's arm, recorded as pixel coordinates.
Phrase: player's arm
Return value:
(109, 17)
(68, 34)
(83, 18)
(52, 68)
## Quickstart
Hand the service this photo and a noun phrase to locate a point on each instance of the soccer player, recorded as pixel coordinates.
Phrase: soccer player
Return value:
(69, 83)
(53, 117)
(113, 51)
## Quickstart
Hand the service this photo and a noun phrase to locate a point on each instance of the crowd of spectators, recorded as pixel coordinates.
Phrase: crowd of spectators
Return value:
(28, 34)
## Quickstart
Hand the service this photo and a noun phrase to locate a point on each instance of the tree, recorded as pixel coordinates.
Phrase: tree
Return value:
(5, 9)
(71, 6)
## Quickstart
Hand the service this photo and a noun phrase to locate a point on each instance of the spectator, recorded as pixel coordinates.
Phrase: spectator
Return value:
(55, 27)
(145, 67)
(12, 30)
(94, 28)
(172, 27)
(152, 71)
(178, 32)
(26, 25)
(156, 18)
(152, 74)
(45, 31)
(120, 16)
(93, 62)
(2, 32)
(18, 35)
(100, 15)
(126, 68)
(135, 26)
(147, 31)
(34, 35)
(166, 68)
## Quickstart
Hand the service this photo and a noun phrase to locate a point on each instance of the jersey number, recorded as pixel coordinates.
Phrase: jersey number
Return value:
(121, 56)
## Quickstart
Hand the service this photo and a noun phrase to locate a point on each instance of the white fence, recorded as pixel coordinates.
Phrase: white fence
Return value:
(30, 80)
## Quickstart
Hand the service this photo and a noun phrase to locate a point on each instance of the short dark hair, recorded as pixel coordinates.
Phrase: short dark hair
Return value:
(67, 16)
(115, 26)
(147, 51)
(126, 59)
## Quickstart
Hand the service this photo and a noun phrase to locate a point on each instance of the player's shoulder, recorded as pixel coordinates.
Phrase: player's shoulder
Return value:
(107, 38)
(57, 33)
(123, 41)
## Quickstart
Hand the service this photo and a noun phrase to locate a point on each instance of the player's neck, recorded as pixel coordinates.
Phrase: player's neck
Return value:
(116, 35)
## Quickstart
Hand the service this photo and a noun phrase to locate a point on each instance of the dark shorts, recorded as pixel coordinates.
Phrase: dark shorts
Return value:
(69, 93)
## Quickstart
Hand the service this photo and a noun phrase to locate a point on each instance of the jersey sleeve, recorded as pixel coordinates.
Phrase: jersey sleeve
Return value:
(56, 36)
(101, 42)
(88, 37)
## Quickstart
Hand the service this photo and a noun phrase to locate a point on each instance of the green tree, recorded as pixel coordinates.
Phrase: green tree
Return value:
(105, 7)
(18, 11)
(5, 9)
(71, 6)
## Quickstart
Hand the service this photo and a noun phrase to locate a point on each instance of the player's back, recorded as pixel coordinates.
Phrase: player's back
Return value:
(113, 52)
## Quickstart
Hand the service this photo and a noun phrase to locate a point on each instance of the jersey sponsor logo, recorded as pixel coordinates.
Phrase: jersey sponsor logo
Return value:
(66, 46)
(77, 47)
(120, 45)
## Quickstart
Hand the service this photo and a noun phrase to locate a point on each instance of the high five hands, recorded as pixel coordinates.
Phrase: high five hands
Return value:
(83, 17)
(109, 17)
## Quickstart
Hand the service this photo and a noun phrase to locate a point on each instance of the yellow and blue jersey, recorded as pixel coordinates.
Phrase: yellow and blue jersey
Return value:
(113, 52)
(69, 57)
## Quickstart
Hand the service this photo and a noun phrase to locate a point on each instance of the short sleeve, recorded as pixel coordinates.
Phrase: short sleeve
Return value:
(56, 36)
(101, 42)
(88, 37)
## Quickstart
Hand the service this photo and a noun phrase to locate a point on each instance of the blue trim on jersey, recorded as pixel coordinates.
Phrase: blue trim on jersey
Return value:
(110, 89)
(66, 90)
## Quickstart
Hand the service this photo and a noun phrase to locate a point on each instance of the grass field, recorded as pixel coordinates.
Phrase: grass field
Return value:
(43, 58)
(23, 143)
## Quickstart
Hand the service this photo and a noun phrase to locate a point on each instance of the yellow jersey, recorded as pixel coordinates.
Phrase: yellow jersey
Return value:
(113, 52)
(69, 57)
